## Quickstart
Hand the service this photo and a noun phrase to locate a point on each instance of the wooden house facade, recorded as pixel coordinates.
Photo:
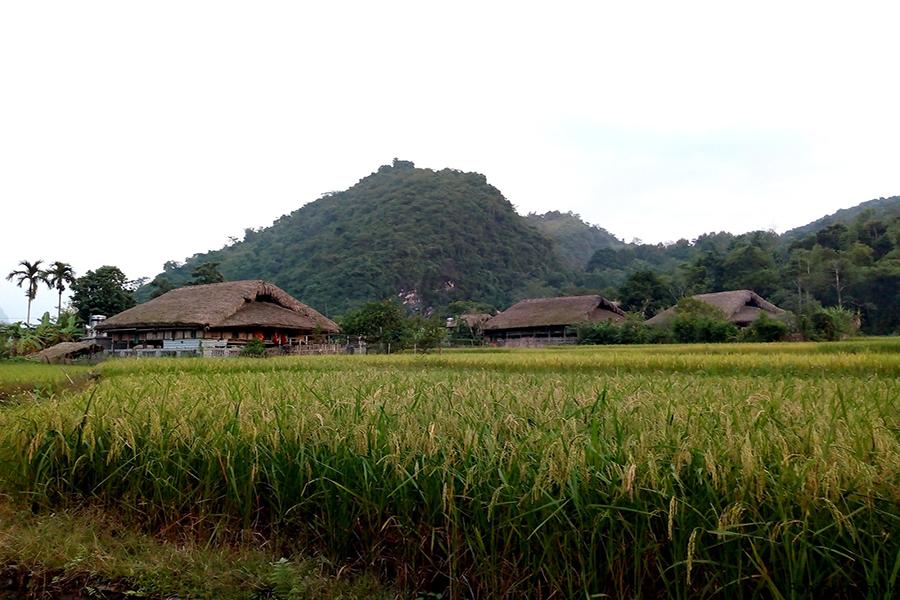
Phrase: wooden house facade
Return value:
(217, 314)
(549, 319)
(741, 307)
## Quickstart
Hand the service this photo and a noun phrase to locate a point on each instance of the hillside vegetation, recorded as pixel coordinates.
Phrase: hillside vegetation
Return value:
(576, 240)
(852, 264)
(434, 238)
(426, 237)
(879, 208)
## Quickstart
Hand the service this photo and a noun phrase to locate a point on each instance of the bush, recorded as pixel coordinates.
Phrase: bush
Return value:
(828, 324)
(604, 333)
(255, 348)
(632, 332)
(658, 335)
(699, 322)
(765, 329)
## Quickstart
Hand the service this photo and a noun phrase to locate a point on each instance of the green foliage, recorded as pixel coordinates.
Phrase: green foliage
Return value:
(696, 321)
(765, 329)
(828, 324)
(58, 276)
(376, 322)
(255, 348)
(644, 292)
(577, 241)
(101, 292)
(160, 286)
(21, 339)
(384, 323)
(679, 473)
(423, 334)
(205, 273)
(881, 208)
(632, 331)
(602, 333)
(31, 274)
(465, 334)
(434, 237)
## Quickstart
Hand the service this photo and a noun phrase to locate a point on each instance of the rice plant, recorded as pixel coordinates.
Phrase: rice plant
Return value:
(700, 472)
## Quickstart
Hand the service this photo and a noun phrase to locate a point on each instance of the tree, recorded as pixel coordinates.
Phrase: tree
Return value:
(838, 268)
(376, 322)
(101, 292)
(30, 272)
(644, 292)
(751, 268)
(422, 333)
(207, 272)
(59, 275)
(161, 285)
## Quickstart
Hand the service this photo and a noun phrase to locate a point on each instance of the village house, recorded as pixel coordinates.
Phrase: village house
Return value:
(544, 321)
(741, 307)
(217, 315)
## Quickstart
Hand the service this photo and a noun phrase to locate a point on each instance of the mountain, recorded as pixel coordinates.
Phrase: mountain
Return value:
(880, 208)
(426, 237)
(3, 317)
(576, 240)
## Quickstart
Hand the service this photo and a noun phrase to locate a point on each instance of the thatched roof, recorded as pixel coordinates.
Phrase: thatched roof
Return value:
(231, 304)
(66, 350)
(741, 307)
(469, 319)
(542, 312)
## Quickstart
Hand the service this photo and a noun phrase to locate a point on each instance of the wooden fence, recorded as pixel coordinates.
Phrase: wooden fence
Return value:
(296, 350)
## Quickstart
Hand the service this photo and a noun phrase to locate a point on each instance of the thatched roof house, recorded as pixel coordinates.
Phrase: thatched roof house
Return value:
(234, 312)
(470, 320)
(741, 307)
(550, 317)
(64, 351)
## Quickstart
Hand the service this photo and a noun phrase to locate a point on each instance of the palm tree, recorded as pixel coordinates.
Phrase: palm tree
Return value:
(30, 272)
(58, 275)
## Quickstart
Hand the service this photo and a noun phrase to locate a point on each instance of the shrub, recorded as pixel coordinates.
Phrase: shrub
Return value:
(632, 332)
(765, 329)
(605, 333)
(700, 322)
(255, 348)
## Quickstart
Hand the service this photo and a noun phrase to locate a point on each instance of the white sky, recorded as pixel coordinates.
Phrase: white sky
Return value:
(134, 133)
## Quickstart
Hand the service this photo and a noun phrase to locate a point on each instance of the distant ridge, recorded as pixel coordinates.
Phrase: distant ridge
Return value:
(426, 238)
(576, 240)
(880, 208)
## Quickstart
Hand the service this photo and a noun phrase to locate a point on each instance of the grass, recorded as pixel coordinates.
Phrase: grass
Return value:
(687, 472)
(19, 379)
(87, 550)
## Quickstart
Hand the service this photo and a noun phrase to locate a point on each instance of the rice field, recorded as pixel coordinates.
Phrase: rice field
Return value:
(768, 471)
(38, 380)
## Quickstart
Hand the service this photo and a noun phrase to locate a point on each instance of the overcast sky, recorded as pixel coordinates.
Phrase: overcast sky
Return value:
(135, 133)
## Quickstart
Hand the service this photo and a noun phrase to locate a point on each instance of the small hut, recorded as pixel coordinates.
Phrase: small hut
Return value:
(471, 320)
(217, 314)
(66, 351)
(741, 307)
(546, 320)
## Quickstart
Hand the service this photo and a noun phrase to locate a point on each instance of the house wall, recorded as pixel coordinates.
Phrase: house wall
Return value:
(555, 331)
(160, 338)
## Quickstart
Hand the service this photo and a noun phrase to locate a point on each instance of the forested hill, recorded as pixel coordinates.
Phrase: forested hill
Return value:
(426, 237)
(576, 240)
(882, 209)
